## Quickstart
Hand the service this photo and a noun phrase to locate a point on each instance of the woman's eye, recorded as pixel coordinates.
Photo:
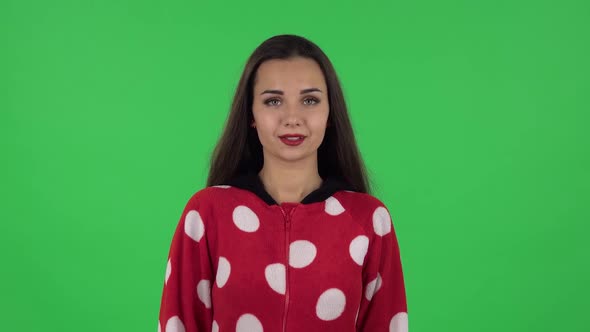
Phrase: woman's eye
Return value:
(315, 101)
(269, 101)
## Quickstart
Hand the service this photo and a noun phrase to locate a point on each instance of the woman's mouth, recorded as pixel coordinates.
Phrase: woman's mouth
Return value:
(292, 140)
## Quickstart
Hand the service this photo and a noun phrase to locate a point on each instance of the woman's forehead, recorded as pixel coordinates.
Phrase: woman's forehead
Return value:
(289, 74)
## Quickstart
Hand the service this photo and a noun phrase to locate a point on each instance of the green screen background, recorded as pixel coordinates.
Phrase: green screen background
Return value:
(472, 117)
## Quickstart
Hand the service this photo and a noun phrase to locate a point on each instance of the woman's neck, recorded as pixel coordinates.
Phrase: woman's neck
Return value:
(285, 185)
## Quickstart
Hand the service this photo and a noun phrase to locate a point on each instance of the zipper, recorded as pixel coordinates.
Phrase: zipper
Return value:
(287, 218)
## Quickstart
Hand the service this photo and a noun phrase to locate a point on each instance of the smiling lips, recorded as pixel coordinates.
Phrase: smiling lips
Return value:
(292, 139)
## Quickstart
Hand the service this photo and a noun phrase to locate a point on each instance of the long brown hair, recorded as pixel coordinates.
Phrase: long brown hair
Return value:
(239, 151)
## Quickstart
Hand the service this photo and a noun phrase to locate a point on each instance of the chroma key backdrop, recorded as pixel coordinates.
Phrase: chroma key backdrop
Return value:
(472, 118)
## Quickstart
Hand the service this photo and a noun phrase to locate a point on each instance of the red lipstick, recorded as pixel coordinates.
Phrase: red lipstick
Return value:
(295, 139)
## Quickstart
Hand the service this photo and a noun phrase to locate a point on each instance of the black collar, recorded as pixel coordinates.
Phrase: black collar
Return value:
(252, 182)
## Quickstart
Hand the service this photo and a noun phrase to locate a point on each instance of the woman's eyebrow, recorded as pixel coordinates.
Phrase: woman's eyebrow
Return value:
(280, 92)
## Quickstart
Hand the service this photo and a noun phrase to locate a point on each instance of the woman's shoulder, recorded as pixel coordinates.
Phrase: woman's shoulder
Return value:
(359, 200)
(367, 209)
(210, 193)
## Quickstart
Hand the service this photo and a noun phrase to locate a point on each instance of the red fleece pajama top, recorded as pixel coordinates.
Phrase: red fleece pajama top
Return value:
(240, 262)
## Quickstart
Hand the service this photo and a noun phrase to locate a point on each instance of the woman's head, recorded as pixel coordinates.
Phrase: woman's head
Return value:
(269, 102)
(289, 96)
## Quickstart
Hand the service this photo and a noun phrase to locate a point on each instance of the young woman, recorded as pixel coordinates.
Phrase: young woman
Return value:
(286, 236)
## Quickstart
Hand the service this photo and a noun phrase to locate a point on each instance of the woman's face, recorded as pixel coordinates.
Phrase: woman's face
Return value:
(290, 97)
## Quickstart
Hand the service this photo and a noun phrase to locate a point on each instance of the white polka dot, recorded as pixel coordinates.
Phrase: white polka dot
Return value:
(194, 226)
(223, 270)
(373, 287)
(168, 271)
(333, 206)
(399, 322)
(174, 324)
(248, 323)
(159, 326)
(222, 186)
(381, 221)
(204, 292)
(275, 276)
(245, 219)
(301, 253)
(215, 327)
(330, 304)
(358, 249)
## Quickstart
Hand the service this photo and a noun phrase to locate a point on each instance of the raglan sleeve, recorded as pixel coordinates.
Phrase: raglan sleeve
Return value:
(186, 297)
(383, 305)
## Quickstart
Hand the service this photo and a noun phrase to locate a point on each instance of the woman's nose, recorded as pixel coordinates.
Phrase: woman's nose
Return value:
(292, 114)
